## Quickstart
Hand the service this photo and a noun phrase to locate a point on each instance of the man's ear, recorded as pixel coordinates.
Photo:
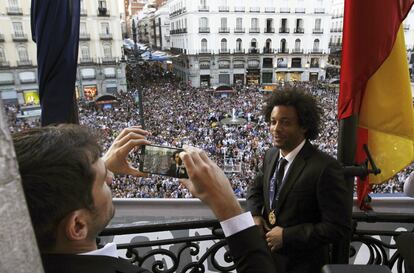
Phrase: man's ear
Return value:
(75, 226)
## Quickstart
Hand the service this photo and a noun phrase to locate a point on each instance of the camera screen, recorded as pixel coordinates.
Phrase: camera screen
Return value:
(163, 161)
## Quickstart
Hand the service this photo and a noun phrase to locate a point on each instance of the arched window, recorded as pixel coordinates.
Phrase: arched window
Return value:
(107, 50)
(223, 44)
(316, 45)
(268, 44)
(23, 55)
(204, 45)
(283, 46)
(297, 45)
(203, 22)
(239, 44)
(253, 43)
(2, 55)
(85, 52)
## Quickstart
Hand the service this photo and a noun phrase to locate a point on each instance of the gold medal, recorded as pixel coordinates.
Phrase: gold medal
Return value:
(272, 217)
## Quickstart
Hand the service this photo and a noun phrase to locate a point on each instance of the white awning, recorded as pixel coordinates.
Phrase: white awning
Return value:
(8, 94)
(27, 77)
(109, 72)
(6, 78)
(88, 73)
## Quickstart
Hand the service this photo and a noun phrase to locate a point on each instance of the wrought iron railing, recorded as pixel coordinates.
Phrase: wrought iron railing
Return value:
(190, 253)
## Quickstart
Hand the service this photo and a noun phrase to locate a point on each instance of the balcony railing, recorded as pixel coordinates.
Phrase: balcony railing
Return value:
(203, 8)
(109, 60)
(316, 51)
(204, 30)
(224, 66)
(86, 60)
(84, 36)
(254, 51)
(205, 51)
(204, 66)
(238, 65)
(239, 30)
(300, 10)
(284, 30)
(239, 9)
(14, 11)
(103, 12)
(255, 9)
(24, 63)
(268, 50)
(317, 31)
(269, 30)
(281, 65)
(319, 10)
(238, 51)
(254, 30)
(105, 36)
(284, 10)
(224, 30)
(1, 38)
(283, 50)
(299, 30)
(270, 10)
(19, 37)
(224, 9)
(372, 241)
(297, 51)
(4, 64)
(224, 51)
(178, 31)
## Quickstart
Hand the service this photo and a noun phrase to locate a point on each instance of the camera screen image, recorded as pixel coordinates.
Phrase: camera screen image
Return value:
(163, 161)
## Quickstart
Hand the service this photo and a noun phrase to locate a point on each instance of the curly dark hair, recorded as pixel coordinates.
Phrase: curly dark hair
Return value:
(307, 107)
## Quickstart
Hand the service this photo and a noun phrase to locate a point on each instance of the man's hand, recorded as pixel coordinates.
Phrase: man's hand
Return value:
(209, 183)
(116, 157)
(274, 238)
(260, 221)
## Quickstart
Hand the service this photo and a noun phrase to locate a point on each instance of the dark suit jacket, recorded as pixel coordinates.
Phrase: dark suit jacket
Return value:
(314, 207)
(247, 247)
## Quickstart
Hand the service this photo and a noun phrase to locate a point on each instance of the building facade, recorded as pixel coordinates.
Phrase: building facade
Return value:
(229, 41)
(99, 68)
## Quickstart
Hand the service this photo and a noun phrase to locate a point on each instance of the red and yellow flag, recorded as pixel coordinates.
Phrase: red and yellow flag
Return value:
(375, 85)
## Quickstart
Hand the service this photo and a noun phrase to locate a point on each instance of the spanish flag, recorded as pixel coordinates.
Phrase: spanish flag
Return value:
(375, 86)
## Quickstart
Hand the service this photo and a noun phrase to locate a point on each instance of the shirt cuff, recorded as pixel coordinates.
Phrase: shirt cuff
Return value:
(237, 223)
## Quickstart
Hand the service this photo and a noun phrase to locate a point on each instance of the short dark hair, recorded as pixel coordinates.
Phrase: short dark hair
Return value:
(55, 165)
(307, 108)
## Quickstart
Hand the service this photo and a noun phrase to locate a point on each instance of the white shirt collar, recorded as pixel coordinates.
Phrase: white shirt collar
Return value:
(291, 156)
(108, 250)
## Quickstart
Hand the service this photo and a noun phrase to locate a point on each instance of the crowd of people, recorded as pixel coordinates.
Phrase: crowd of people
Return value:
(178, 114)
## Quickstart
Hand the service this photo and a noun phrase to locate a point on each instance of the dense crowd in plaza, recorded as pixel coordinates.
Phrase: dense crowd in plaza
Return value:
(178, 114)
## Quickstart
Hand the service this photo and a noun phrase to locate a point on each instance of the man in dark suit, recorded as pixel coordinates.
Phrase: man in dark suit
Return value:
(66, 184)
(299, 197)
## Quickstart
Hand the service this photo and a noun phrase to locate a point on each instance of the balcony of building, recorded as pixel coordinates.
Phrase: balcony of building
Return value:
(284, 10)
(270, 10)
(2, 37)
(224, 66)
(239, 9)
(316, 51)
(297, 51)
(284, 30)
(267, 50)
(204, 52)
(86, 60)
(19, 37)
(254, 30)
(224, 30)
(239, 30)
(238, 51)
(103, 12)
(319, 11)
(105, 36)
(24, 62)
(283, 51)
(204, 30)
(224, 51)
(14, 11)
(300, 10)
(205, 66)
(109, 60)
(299, 30)
(269, 30)
(254, 9)
(223, 8)
(83, 12)
(191, 239)
(203, 8)
(317, 31)
(254, 51)
(4, 64)
(83, 36)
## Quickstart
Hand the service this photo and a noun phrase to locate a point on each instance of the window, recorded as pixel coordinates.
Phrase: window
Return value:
(223, 44)
(105, 28)
(223, 23)
(2, 55)
(297, 44)
(82, 28)
(283, 45)
(316, 45)
(107, 50)
(203, 22)
(102, 4)
(255, 23)
(13, 4)
(284, 23)
(253, 43)
(239, 44)
(18, 29)
(268, 44)
(85, 52)
(204, 45)
(318, 23)
(23, 55)
(203, 3)
(82, 5)
(239, 23)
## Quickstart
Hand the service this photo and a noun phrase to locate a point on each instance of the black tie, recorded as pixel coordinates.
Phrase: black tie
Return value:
(276, 181)
(280, 173)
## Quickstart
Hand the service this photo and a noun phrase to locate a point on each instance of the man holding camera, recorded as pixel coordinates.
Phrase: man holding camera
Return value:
(66, 184)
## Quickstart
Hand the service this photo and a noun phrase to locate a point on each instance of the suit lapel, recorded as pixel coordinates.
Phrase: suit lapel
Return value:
(294, 171)
(274, 155)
